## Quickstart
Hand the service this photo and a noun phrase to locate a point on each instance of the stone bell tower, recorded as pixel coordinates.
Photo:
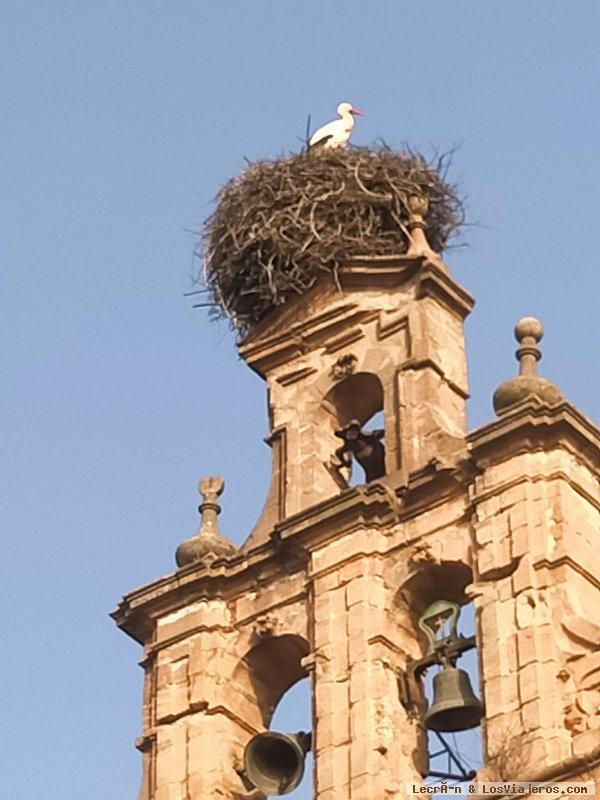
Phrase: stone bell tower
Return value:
(333, 579)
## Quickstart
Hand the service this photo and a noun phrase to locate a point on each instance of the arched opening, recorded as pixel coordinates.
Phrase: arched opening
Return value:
(274, 666)
(355, 408)
(359, 396)
(448, 751)
(442, 619)
(429, 582)
(271, 675)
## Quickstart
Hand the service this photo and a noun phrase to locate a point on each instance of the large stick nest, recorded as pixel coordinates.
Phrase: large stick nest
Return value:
(280, 223)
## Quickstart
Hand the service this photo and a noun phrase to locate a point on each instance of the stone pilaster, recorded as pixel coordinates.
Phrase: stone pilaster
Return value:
(363, 740)
(536, 505)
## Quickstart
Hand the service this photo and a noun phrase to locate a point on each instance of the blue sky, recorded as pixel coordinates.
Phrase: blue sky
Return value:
(120, 121)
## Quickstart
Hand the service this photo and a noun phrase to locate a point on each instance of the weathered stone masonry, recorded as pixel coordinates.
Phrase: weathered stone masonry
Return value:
(332, 578)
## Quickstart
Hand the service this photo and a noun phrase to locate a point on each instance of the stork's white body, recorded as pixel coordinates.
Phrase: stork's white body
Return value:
(337, 133)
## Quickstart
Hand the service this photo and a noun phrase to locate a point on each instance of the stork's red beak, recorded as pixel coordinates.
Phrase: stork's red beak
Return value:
(358, 112)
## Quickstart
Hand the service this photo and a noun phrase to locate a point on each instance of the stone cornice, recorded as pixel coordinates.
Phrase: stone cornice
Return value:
(436, 283)
(432, 486)
(223, 578)
(282, 336)
(373, 505)
(363, 506)
(565, 560)
(374, 272)
(366, 506)
(148, 739)
(265, 353)
(532, 425)
(378, 505)
(479, 495)
(429, 363)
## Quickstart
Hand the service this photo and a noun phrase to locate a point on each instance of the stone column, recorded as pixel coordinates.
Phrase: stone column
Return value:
(363, 739)
(536, 505)
(203, 708)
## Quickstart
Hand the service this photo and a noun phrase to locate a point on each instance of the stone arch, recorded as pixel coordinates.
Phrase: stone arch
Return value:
(358, 396)
(446, 580)
(425, 583)
(271, 667)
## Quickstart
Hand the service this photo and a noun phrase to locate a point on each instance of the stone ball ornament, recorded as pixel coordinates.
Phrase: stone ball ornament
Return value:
(527, 384)
(529, 327)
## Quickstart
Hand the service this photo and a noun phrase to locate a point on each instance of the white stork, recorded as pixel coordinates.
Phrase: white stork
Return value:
(336, 133)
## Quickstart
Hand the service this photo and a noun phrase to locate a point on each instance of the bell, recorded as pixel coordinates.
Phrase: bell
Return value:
(274, 762)
(455, 707)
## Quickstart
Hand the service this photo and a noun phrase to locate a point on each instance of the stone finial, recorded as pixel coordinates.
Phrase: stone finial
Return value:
(418, 206)
(210, 488)
(528, 333)
(208, 543)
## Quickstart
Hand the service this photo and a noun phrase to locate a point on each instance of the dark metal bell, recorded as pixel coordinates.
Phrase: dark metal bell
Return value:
(274, 762)
(455, 707)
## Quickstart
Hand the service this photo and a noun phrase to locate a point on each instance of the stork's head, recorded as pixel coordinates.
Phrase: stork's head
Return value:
(348, 108)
